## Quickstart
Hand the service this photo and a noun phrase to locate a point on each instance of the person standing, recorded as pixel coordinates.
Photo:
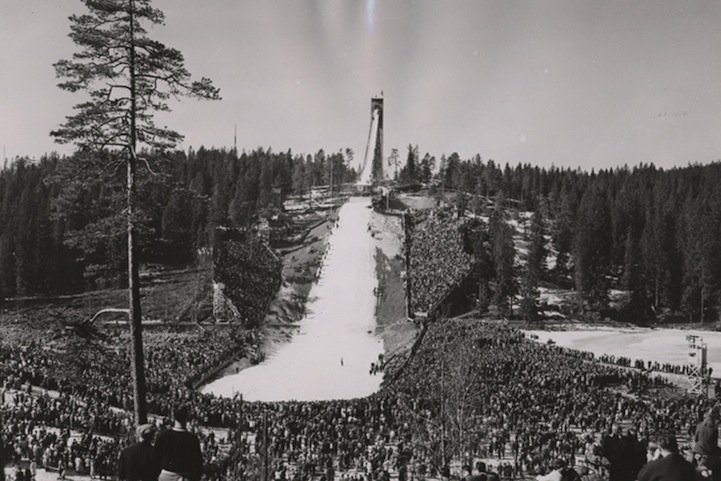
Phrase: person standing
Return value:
(610, 445)
(706, 436)
(671, 466)
(178, 450)
(629, 458)
(138, 462)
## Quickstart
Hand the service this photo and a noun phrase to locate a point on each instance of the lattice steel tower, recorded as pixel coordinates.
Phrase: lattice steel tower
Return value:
(698, 365)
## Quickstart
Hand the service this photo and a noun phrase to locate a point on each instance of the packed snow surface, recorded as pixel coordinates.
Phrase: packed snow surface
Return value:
(330, 356)
(660, 345)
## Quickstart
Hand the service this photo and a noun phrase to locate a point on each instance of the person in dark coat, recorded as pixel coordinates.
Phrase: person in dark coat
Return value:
(628, 458)
(671, 466)
(706, 437)
(178, 450)
(138, 461)
(611, 446)
(706, 447)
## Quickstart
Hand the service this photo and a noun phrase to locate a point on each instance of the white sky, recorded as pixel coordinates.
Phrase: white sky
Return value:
(572, 82)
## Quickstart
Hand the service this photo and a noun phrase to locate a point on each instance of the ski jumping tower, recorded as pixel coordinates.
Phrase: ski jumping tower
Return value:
(371, 172)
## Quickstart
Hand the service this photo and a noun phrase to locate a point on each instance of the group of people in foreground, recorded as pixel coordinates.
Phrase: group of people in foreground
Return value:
(173, 455)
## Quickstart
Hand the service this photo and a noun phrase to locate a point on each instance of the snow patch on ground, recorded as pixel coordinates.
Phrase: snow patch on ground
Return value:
(555, 297)
(660, 345)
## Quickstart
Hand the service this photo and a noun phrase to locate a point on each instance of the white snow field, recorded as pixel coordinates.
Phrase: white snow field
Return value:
(661, 345)
(330, 356)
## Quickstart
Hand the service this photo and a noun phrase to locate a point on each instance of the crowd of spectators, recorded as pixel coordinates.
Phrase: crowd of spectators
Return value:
(93, 397)
(32, 427)
(472, 390)
(505, 395)
(251, 274)
(437, 259)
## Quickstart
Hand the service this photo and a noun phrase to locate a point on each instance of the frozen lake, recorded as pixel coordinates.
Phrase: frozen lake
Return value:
(662, 345)
(330, 356)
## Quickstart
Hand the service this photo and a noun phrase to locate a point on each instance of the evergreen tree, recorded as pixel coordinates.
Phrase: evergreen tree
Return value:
(409, 174)
(266, 182)
(177, 233)
(592, 251)
(670, 292)
(503, 252)
(428, 165)
(537, 251)
(638, 307)
(535, 268)
(309, 178)
(128, 77)
(299, 186)
(562, 236)
(702, 270)
(529, 295)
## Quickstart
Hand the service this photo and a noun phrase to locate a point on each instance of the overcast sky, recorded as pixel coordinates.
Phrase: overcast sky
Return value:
(590, 83)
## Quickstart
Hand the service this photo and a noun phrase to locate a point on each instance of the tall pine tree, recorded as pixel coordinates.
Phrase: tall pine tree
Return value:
(128, 77)
(503, 254)
(592, 250)
(535, 267)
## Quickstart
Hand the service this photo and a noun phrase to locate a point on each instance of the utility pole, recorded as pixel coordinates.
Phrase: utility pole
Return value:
(265, 445)
(235, 139)
(443, 406)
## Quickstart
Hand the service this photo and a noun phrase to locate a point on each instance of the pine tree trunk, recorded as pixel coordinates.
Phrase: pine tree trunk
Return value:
(136, 328)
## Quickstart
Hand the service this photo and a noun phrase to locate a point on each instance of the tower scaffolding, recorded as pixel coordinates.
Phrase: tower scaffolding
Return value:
(697, 365)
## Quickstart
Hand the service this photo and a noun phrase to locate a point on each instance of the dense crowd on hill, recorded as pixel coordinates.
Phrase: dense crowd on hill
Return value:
(94, 391)
(40, 430)
(251, 274)
(473, 390)
(524, 398)
(97, 374)
(433, 274)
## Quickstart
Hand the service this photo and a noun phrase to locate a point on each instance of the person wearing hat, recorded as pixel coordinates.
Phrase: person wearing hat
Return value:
(556, 473)
(671, 466)
(178, 450)
(137, 462)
